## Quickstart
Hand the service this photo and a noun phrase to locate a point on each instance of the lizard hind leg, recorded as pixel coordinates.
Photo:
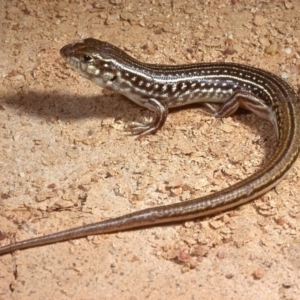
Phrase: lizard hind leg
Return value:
(249, 101)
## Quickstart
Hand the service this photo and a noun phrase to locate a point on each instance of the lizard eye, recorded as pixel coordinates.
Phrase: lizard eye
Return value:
(87, 58)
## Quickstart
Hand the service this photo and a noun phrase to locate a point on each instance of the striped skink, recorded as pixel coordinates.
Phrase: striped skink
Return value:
(222, 88)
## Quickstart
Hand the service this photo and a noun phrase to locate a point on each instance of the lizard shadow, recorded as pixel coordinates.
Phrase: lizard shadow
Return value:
(65, 107)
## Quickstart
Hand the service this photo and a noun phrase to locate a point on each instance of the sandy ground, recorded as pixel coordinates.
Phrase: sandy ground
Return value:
(66, 160)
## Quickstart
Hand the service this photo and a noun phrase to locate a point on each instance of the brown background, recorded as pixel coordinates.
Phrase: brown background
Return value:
(66, 160)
